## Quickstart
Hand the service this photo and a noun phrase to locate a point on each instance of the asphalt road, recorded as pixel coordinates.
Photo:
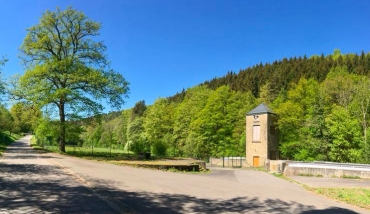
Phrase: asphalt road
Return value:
(66, 180)
(30, 183)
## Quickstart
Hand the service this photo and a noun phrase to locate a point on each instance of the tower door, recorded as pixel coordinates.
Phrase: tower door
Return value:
(256, 161)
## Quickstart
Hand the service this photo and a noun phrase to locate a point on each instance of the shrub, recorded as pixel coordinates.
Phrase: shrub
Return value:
(159, 148)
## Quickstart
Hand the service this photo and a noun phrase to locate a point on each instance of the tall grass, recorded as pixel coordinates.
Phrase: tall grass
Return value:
(86, 152)
(356, 196)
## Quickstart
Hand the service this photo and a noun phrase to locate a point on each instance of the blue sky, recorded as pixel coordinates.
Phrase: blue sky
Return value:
(164, 46)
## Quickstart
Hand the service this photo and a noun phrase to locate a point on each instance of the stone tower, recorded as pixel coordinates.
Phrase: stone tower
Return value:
(262, 136)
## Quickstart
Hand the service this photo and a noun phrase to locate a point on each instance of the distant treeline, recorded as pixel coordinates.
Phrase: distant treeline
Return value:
(280, 74)
(322, 103)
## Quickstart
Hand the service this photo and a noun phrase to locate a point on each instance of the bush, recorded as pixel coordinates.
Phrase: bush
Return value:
(159, 148)
(137, 147)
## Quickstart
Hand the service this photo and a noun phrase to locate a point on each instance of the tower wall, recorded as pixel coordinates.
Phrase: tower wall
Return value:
(267, 145)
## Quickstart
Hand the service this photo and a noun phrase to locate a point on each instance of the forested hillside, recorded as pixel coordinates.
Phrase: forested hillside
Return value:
(322, 103)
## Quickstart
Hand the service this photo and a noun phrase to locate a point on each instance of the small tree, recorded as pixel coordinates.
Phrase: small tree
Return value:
(46, 130)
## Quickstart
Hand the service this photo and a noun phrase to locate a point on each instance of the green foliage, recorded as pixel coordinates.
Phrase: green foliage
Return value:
(6, 120)
(322, 105)
(3, 60)
(356, 196)
(281, 73)
(67, 68)
(186, 112)
(336, 54)
(158, 121)
(215, 132)
(46, 131)
(25, 117)
(135, 130)
(138, 109)
(360, 108)
(6, 140)
(138, 146)
(299, 121)
(345, 132)
(159, 148)
(73, 134)
(96, 135)
(338, 86)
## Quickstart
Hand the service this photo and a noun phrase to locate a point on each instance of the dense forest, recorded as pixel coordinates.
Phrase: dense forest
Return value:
(322, 104)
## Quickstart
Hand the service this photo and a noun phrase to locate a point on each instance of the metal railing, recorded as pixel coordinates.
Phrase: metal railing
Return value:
(234, 162)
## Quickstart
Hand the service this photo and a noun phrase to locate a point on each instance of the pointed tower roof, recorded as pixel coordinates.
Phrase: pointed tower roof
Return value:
(261, 109)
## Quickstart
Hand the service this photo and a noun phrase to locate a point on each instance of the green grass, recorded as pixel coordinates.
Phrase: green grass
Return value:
(310, 175)
(85, 152)
(306, 175)
(119, 157)
(355, 196)
(279, 175)
(350, 177)
(82, 151)
(260, 168)
(6, 140)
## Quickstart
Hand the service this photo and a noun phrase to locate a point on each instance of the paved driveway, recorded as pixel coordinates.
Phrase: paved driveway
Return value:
(29, 183)
(221, 191)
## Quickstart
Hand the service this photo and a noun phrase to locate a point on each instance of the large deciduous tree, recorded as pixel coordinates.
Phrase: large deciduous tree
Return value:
(67, 68)
(361, 106)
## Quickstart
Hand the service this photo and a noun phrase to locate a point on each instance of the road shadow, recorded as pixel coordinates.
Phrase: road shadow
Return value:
(148, 202)
(27, 157)
(33, 192)
(29, 169)
(33, 188)
(21, 150)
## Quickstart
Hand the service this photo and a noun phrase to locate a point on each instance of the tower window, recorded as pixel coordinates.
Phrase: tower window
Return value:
(256, 133)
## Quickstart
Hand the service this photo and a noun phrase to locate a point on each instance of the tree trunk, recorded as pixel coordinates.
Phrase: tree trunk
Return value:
(62, 130)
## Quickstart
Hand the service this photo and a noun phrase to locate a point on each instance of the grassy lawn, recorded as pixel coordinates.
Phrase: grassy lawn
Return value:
(121, 157)
(87, 151)
(355, 196)
(6, 140)
(83, 152)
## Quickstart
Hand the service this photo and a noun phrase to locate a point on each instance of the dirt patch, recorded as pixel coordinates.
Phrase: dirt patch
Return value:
(188, 165)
